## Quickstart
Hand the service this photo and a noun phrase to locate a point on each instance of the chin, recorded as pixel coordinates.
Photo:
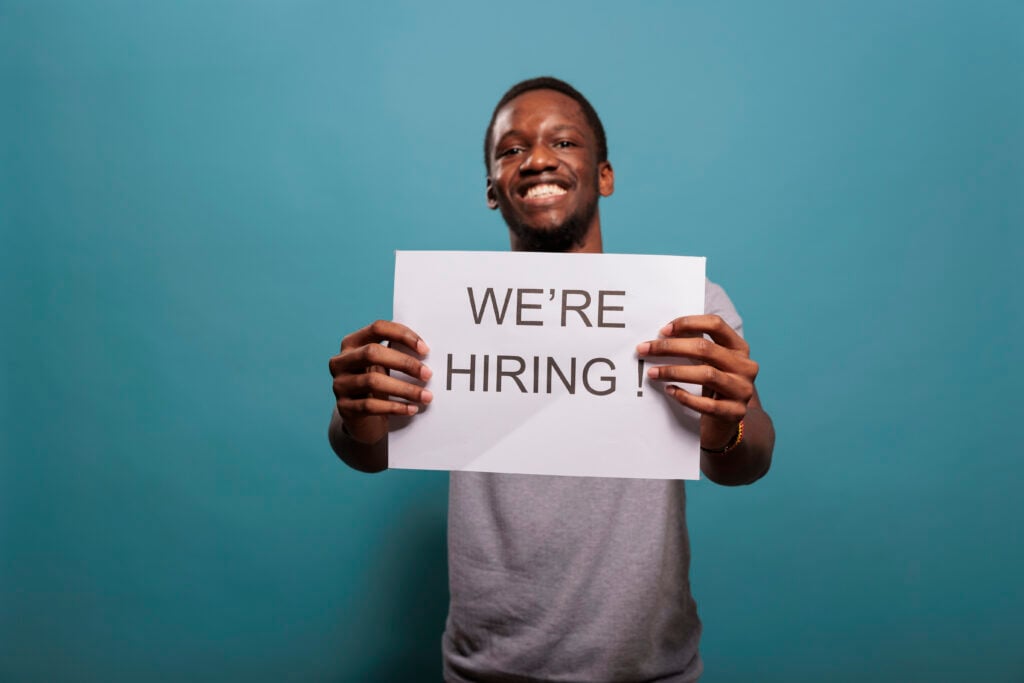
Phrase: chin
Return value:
(556, 238)
(542, 227)
(556, 233)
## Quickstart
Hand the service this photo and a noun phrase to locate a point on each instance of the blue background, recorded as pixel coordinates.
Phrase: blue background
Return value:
(198, 200)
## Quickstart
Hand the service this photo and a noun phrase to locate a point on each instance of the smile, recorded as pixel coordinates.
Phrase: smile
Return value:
(544, 190)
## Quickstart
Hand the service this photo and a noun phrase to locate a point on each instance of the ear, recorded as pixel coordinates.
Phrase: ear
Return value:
(605, 179)
(492, 199)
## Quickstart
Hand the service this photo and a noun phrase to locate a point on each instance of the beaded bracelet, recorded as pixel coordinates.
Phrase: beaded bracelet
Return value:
(732, 444)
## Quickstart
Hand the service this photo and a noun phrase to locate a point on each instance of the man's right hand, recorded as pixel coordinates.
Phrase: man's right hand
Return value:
(363, 387)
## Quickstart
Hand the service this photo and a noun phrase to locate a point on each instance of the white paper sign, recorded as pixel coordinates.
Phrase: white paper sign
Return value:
(535, 365)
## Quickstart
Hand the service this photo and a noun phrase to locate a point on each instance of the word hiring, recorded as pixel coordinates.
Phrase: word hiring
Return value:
(540, 374)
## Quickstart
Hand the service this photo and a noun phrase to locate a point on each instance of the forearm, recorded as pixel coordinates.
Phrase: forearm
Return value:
(365, 457)
(750, 460)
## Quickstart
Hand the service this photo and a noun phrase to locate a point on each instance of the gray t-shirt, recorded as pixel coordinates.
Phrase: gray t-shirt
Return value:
(571, 578)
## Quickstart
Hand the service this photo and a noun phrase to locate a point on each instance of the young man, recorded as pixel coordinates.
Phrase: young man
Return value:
(565, 578)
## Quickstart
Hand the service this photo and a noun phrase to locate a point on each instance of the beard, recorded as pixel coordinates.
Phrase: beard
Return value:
(560, 238)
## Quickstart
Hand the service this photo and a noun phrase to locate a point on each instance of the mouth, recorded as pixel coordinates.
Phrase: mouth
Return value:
(543, 192)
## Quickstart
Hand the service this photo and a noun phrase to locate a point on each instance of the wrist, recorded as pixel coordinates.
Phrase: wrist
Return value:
(735, 441)
(366, 436)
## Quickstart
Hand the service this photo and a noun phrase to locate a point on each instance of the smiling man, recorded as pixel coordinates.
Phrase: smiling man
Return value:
(547, 192)
(565, 578)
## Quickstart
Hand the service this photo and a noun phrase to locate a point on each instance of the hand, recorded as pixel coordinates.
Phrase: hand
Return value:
(363, 386)
(724, 370)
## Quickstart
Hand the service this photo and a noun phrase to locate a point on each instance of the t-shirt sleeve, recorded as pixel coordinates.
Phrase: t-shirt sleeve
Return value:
(717, 302)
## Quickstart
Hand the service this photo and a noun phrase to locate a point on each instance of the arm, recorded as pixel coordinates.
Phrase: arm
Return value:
(364, 391)
(726, 373)
(365, 457)
(750, 460)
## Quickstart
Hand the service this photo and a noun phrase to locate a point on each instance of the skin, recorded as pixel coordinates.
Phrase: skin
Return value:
(542, 137)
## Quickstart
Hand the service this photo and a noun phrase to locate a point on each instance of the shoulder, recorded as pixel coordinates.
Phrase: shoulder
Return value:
(717, 302)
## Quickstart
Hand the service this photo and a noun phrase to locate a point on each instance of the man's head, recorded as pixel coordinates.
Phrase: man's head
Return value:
(548, 83)
(547, 165)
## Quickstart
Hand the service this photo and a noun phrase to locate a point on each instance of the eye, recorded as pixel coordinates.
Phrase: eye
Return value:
(509, 151)
(563, 144)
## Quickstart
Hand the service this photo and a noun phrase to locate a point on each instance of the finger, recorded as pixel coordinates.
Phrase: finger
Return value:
(712, 325)
(350, 407)
(725, 384)
(379, 385)
(726, 410)
(385, 330)
(365, 357)
(705, 350)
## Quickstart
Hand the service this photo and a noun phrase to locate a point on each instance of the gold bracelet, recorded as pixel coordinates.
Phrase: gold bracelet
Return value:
(732, 444)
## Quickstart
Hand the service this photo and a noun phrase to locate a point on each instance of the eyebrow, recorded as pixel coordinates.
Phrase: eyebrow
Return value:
(557, 129)
(567, 126)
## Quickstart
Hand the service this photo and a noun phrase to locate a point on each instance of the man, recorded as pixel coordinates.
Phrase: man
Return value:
(565, 578)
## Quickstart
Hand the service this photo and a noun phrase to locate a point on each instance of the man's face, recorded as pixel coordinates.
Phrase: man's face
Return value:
(544, 173)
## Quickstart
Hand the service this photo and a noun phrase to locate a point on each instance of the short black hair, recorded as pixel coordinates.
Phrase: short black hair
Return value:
(548, 83)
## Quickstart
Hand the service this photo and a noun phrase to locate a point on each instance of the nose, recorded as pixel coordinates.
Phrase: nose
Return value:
(540, 158)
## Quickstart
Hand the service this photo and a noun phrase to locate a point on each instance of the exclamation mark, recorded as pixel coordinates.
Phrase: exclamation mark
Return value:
(640, 377)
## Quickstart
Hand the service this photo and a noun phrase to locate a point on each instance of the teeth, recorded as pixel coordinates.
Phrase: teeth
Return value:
(546, 190)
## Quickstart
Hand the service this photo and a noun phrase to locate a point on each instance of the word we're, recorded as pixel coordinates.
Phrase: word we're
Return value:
(588, 309)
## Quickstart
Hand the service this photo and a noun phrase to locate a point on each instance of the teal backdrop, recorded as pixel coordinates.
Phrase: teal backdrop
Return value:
(199, 199)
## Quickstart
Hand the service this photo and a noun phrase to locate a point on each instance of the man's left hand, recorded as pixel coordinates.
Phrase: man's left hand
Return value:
(722, 367)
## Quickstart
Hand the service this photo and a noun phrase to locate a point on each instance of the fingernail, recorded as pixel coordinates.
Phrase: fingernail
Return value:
(426, 373)
(413, 409)
(642, 349)
(667, 330)
(652, 373)
(422, 348)
(426, 396)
